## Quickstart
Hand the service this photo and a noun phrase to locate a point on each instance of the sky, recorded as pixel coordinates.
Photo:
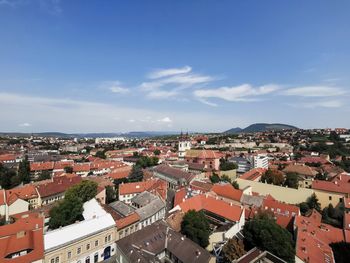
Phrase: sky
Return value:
(200, 65)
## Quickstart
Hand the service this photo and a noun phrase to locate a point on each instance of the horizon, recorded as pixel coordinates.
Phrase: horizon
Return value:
(162, 66)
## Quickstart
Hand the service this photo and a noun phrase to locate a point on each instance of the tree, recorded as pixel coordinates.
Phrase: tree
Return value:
(110, 194)
(235, 184)
(68, 169)
(136, 174)
(225, 178)
(68, 211)
(233, 249)
(196, 227)
(156, 152)
(341, 251)
(292, 180)
(226, 166)
(24, 171)
(44, 175)
(8, 178)
(145, 161)
(304, 208)
(313, 202)
(101, 154)
(273, 177)
(214, 178)
(84, 191)
(264, 233)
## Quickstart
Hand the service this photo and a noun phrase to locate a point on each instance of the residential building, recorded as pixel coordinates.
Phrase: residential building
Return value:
(174, 177)
(160, 243)
(89, 241)
(243, 164)
(210, 158)
(261, 161)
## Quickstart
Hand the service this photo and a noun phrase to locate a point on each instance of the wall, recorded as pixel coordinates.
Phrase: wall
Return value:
(283, 194)
(323, 198)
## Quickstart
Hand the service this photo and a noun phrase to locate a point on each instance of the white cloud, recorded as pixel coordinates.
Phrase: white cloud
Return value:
(243, 92)
(323, 104)
(26, 124)
(165, 119)
(160, 73)
(114, 86)
(161, 94)
(314, 91)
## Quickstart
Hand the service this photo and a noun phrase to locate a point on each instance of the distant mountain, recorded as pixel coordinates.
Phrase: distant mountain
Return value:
(261, 127)
(234, 130)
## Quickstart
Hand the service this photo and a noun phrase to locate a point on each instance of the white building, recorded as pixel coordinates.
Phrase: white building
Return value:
(261, 161)
(109, 140)
(91, 240)
(184, 145)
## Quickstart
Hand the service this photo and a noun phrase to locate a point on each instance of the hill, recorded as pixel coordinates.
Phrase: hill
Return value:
(261, 127)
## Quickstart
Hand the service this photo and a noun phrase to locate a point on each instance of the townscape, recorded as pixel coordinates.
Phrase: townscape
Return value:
(268, 196)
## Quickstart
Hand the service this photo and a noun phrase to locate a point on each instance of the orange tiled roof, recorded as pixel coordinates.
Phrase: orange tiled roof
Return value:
(25, 234)
(41, 166)
(253, 174)
(339, 184)
(126, 221)
(204, 202)
(58, 185)
(137, 187)
(25, 192)
(300, 169)
(228, 191)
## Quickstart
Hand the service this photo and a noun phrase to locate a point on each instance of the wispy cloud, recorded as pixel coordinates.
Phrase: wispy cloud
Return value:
(52, 7)
(165, 119)
(168, 83)
(321, 104)
(314, 91)
(244, 92)
(114, 86)
(160, 73)
(25, 124)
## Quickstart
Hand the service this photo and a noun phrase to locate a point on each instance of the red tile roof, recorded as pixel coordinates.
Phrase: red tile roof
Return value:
(339, 184)
(204, 202)
(314, 237)
(58, 185)
(25, 192)
(300, 169)
(203, 154)
(25, 234)
(228, 191)
(254, 174)
(44, 166)
(137, 187)
(126, 221)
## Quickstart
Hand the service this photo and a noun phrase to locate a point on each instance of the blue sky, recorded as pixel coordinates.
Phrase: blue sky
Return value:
(109, 66)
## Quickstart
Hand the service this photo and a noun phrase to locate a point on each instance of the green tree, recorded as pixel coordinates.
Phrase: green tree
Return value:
(214, 178)
(196, 227)
(136, 174)
(24, 171)
(341, 251)
(313, 202)
(232, 250)
(273, 177)
(304, 208)
(225, 178)
(68, 211)
(235, 184)
(84, 191)
(8, 178)
(156, 152)
(110, 194)
(68, 169)
(292, 180)
(145, 161)
(101, 154)
(264, 233)
(44, 175)
(226, 166)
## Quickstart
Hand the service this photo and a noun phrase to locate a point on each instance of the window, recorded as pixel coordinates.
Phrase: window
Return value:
(57, 260)
(52, 260)
(109, 238)
(96, 243)
(87, 246)
(79, 250)
(87, 260)
(105, 239)
(330, 197)
(69, 255)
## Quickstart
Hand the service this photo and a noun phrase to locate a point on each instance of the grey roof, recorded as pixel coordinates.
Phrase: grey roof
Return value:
(150, 209)
(174, 173)
(252, 200)
(144, 198)
(144, 245)
(122, 208)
